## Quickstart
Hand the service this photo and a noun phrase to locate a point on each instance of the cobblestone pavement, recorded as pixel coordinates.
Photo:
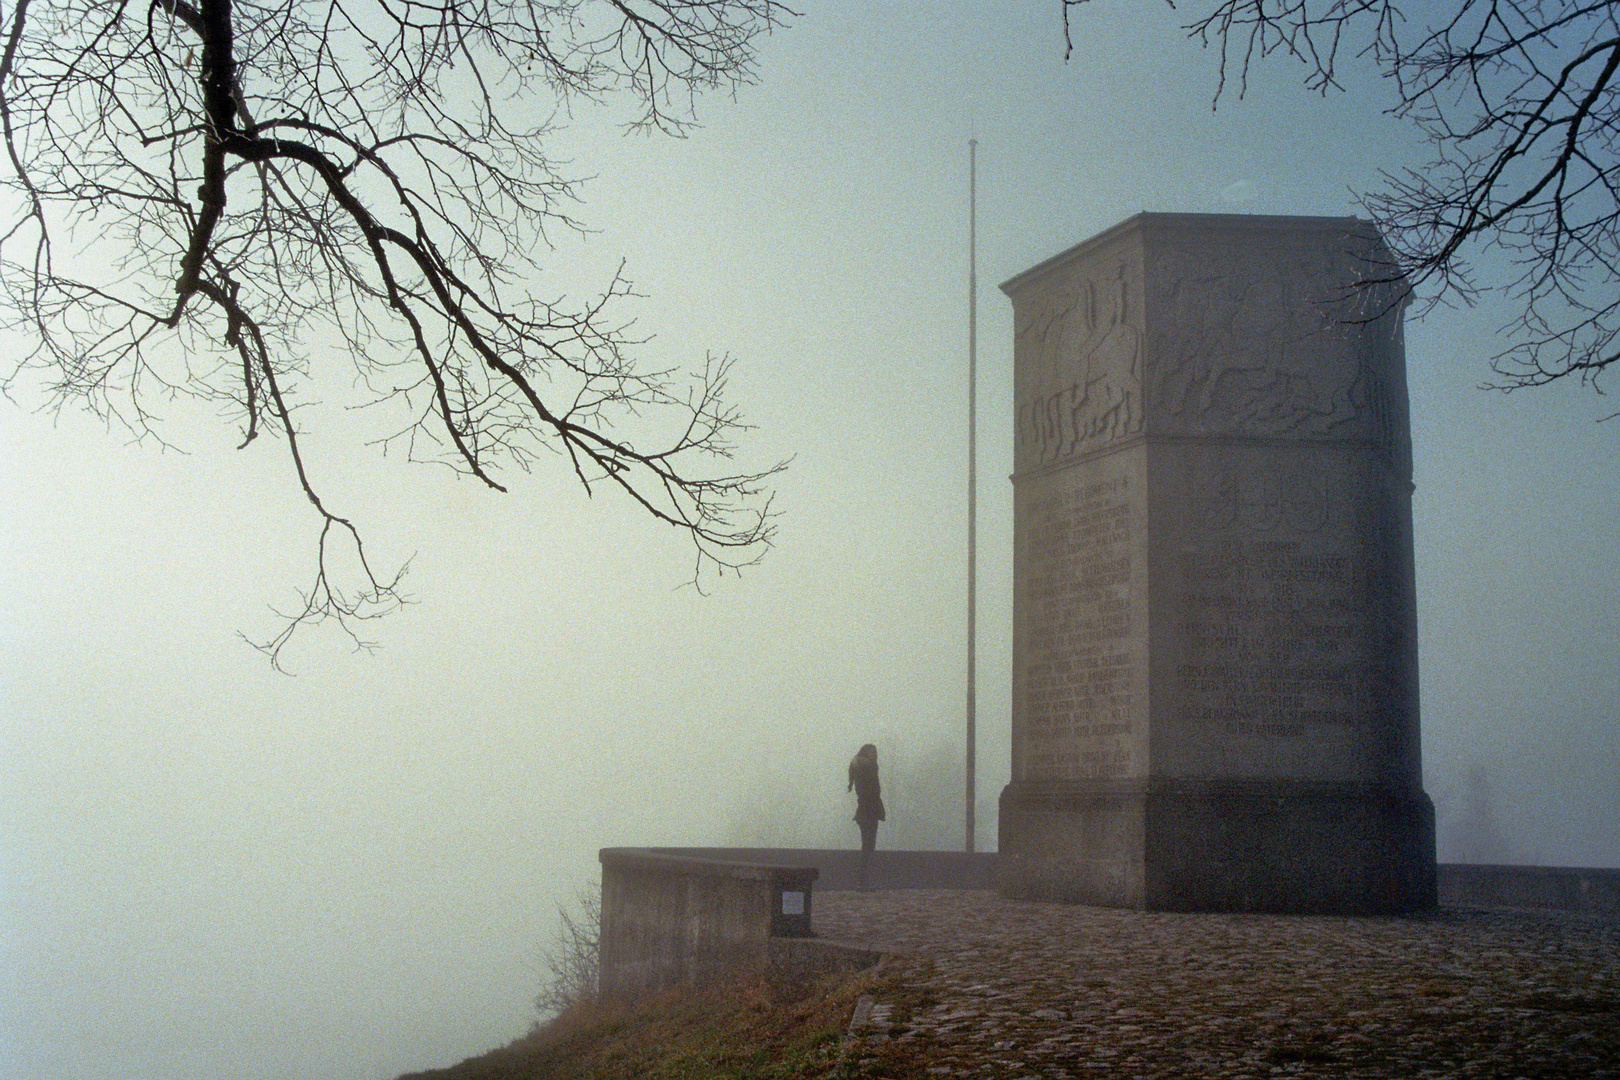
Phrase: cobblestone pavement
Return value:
(982, 986)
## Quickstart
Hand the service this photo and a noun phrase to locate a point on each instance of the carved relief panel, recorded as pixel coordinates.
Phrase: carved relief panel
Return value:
(1268, 340)
(1079, 359)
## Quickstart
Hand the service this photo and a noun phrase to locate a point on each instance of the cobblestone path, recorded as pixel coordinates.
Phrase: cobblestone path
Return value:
(985, 987)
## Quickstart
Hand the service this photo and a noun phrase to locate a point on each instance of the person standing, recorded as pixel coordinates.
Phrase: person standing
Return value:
(863, 780)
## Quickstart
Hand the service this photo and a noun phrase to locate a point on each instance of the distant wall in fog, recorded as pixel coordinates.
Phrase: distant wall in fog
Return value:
(1556, 888)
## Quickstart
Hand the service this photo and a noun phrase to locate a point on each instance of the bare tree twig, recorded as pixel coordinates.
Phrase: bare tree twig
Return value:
(263, 178)
(572, 964)
(1520, 102)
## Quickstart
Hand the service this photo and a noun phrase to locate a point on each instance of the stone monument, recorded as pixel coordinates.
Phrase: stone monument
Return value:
(1215, 697)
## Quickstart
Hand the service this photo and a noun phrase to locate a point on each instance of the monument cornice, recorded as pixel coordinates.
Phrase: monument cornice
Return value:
(1167, 222)
(1378, 447)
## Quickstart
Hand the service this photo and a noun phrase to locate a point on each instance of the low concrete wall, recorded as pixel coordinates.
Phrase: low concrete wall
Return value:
(700, 916)
(1559, 888)
(671, 918)
(840, 867)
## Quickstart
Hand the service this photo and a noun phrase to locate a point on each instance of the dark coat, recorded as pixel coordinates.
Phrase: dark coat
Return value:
(863, 780)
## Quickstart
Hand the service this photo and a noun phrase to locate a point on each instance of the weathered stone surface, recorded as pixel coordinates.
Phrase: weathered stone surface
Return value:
(1215, 656)
(686, 920)
(981, 986)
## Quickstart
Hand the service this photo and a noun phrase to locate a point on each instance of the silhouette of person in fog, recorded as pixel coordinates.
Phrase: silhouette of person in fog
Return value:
(863, 780)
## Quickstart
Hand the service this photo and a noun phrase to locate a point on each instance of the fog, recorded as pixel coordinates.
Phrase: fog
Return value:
(212, 869)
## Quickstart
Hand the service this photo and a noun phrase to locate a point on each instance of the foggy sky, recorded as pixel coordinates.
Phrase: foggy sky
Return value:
(211, 869)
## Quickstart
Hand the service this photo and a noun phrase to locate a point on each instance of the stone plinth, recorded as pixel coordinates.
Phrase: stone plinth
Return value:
(1215, 656)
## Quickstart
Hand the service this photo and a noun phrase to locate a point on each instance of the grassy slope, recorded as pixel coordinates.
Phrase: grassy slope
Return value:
(742, 1033)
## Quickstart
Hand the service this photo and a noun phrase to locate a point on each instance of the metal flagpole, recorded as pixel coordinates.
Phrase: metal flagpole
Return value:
(973, 486)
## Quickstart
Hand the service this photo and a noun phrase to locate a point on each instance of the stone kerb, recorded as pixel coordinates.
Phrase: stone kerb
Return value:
(679, 920)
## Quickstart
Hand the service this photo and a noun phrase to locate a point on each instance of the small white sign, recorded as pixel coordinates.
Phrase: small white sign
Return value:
(792, 903)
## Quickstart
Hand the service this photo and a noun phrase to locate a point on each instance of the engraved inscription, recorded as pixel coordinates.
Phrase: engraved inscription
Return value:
(1262, 500)
(1078, 681)
(1276, 639)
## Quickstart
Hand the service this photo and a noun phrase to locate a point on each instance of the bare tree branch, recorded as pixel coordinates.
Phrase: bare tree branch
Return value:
(1520, 103)
(213, 192)
(572, 961)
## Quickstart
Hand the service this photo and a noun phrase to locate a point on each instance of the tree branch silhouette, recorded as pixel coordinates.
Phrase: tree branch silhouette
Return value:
(210, 195)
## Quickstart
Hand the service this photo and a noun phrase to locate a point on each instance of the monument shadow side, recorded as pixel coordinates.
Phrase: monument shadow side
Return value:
(1215, 655)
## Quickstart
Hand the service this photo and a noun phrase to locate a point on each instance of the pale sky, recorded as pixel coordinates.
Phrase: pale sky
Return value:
(211, 869)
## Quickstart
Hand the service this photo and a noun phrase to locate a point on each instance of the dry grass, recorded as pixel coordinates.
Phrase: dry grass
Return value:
(738, 1033)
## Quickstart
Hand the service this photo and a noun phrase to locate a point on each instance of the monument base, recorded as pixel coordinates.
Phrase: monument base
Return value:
(1285, 847)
